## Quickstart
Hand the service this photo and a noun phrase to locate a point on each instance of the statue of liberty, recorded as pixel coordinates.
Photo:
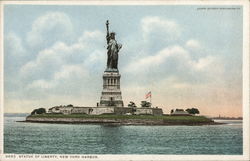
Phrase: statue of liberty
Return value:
(113, 50)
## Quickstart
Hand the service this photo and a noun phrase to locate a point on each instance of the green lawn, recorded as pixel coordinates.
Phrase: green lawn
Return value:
(165, 118)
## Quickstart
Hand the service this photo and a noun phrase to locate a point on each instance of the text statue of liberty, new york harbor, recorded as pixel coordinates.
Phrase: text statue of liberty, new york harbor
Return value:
(111, 93)
(113, 50)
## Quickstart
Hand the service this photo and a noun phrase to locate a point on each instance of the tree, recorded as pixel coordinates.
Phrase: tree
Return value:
(38, 111)
(41, 111)
(193, 111)
(145, 104)
(131, 104)
(33, 112)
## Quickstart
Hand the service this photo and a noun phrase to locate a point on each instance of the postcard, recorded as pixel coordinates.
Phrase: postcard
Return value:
(124, 80)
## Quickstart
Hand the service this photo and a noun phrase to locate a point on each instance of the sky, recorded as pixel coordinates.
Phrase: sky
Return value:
(185, 55)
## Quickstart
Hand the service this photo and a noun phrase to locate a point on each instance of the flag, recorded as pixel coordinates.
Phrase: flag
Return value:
(148, 95)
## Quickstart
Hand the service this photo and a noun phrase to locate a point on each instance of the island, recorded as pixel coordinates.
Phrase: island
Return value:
(117, 116)
(121, 119)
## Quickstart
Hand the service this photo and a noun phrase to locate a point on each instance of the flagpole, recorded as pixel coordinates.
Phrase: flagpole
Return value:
(150, 99)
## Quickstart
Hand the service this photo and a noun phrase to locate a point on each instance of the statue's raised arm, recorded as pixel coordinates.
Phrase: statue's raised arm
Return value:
(107, 27)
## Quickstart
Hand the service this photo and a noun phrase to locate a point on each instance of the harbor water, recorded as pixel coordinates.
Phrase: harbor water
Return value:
(43, 138)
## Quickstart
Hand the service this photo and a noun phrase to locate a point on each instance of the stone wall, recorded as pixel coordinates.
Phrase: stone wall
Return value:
(148, 111)
(107, 110)
(144, 111)
(102, 110)
(80, 110)
(122, 110)
(93, 110)
(66, 110)
(157, 111)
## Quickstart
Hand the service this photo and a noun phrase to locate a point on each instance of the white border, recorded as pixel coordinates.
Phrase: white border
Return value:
(245, 91)
(1, 81)
(129, 2)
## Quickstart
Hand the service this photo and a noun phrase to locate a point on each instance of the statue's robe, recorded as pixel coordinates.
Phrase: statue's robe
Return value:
(113, 49)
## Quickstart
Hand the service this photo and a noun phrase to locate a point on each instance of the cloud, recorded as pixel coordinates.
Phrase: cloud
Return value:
(70, 71)
(67, 74)
(43, 84)
(50, 60)
(54, 68)
(14, 46)
(63, 69)
(175, 63)
(154, 27)
(89, 36)
(193, 44)
(163, 56)
(68, 80)
(49, 28)
(15, 55)
(157, 59)
(204, 63)
(180, 58)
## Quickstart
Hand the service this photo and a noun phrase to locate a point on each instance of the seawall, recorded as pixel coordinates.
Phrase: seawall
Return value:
(117, 121)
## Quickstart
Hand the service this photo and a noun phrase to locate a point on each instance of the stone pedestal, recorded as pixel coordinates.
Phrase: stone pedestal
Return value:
(111, 93)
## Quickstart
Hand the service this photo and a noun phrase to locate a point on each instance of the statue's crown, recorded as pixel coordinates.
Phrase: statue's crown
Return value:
(112, 33)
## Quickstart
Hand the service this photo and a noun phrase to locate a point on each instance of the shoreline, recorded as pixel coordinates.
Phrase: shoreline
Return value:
(121, 121)
(124, 124)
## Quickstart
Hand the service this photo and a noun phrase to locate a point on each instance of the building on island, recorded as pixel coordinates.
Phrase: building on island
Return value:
(179, 112)
(105, 110)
